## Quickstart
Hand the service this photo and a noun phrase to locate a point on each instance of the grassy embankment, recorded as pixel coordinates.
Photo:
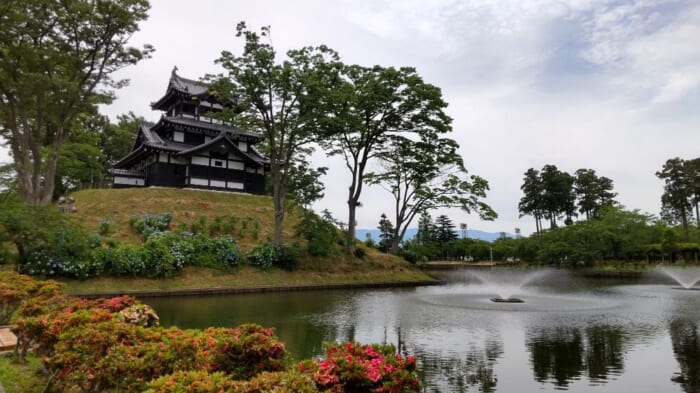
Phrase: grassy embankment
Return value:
(188, 207)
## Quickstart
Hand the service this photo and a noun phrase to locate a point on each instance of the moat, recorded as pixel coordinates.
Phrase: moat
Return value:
(570, 333)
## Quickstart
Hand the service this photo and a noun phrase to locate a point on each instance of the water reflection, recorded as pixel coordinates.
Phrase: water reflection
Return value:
(556, 354)
(599, 338)
(563, 354)
(459, 372)
(686, 348)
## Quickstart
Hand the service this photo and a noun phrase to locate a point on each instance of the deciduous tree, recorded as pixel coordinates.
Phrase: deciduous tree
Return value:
(272, 97)
(56, 62)
(422, 175)
(363, 108)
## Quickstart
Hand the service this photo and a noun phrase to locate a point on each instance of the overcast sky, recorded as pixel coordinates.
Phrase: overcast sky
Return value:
(608, 85)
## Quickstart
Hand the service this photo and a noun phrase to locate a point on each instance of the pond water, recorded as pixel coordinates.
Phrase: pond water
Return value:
(570, 333)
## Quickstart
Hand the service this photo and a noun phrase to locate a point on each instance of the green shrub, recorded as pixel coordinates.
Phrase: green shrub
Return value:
(410, 256)
(199, 381)
(106, 227)
(320, 233)
(266, 255)
(262, 256)
(359, 252)
(286, 257)
(151, 223)
(67, 252)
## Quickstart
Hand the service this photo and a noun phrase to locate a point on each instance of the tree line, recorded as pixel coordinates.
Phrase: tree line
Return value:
(551, 194)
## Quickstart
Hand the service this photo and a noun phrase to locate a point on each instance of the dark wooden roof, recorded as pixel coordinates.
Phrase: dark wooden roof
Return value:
(148, 139)
(208, 128)
(179, 86)
(223, 138)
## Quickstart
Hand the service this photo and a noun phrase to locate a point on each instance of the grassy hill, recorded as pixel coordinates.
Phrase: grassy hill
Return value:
(194, 207)
(186, 206)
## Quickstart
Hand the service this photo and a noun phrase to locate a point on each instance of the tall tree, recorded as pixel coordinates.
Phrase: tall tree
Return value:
(532, 201)
(426, 229)
(363, 107)
(592, 192)
(304, 183)
(424, 176)
(56, 62)
(272, 98)
(693, 170)
(444, 229)
(559, 199)
(677, 199)
(386, 233)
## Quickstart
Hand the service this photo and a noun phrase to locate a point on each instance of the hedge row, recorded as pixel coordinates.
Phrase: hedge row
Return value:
(163, 254)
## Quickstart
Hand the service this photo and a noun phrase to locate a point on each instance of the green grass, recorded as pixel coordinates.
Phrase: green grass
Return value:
(187, 206)
(21, 377)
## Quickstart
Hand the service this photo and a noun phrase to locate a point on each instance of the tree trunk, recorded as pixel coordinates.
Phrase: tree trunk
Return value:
(278, 197)
(697, 214)
(350, 236)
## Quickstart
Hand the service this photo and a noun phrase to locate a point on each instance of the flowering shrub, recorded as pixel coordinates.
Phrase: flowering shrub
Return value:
(353, 367)
(150, 223)
(115, 345)
(288, 381)
(219, 252)
(267, 255)
(192, 382)
(262, 256)
(19, 291)
(244, 351)
(66, 253)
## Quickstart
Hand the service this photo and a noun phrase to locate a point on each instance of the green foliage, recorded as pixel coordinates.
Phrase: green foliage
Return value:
(320, 233)
(67, 52)
(199, 250)
(386, 233)
(193, 381)
(150, 223)
(411, 256)
(361, 108)
(423, 175)
(66, 252)
(681, 192)
(262, 256)
(106, 227)
(267, 255)
(359, 252)
(304, 182)
(277, 106)
(552, 194)
(444, 229)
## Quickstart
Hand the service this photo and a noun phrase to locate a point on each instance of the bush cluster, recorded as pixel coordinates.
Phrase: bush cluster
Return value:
(320, 233)
(149, 223)
(116, 345)
(267, 255)
(163, 254)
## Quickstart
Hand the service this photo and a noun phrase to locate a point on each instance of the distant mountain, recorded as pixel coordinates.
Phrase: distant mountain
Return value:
(411, 232)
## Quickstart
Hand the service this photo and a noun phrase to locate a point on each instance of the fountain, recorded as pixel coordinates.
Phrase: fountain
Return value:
(685, 277)
(506, 285)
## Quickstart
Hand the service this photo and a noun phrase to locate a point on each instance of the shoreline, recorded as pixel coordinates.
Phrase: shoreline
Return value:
(258, 289)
